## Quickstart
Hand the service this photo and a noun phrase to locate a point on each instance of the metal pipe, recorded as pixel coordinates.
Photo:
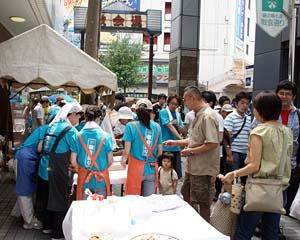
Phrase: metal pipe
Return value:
(150, 70)
(292, 41)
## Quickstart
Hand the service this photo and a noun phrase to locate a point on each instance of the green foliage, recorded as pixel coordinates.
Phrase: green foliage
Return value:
(123, 58)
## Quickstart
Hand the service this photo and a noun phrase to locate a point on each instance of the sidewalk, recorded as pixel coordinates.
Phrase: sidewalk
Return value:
(11, 227)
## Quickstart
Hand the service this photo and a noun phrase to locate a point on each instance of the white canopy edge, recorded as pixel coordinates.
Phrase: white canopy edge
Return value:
(41, 57)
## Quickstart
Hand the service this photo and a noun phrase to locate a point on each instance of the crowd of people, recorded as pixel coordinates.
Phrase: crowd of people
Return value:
(220, 139)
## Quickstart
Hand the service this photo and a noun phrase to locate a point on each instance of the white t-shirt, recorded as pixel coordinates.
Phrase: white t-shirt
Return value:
(37, 113)
(189, 118)
(221, 128)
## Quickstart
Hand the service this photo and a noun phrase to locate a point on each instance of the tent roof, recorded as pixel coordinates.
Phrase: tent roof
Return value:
(41, 57)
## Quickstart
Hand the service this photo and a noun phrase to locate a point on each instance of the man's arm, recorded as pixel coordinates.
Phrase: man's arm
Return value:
(200, 149)
(174, 143)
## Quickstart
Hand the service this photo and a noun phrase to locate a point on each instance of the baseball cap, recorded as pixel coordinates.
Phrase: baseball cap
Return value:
(59, 98)
(226, 108)
(144, 102)
(125, 113)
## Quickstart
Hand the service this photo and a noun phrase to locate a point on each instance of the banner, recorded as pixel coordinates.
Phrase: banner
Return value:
(240, 24)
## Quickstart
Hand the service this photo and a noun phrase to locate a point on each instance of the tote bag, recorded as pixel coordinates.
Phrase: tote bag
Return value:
(265, 195)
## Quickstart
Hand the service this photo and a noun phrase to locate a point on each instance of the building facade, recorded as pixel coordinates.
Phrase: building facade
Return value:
(226, 45)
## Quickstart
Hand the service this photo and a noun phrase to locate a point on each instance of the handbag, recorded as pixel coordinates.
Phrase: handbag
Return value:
(265, 194)
(236, 197)
(222, 218)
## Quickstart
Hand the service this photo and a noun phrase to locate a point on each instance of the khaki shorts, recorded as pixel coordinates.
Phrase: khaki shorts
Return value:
(199, 189)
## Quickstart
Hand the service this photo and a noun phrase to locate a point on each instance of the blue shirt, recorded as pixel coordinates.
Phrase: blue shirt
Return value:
(92, 138)
(63, 146)
(34, 138)
(166, 133)
(138, 150)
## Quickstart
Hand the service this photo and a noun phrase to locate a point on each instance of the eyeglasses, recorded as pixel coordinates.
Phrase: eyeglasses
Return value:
(174, 104)
(285, 94)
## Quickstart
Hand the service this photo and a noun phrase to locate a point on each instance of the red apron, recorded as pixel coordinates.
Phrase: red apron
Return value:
(85, 175)
(136, 168)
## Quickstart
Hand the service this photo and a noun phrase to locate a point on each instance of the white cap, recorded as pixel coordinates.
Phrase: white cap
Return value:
(226, 108)
(75, 108)
(125, 113)
(146, 102)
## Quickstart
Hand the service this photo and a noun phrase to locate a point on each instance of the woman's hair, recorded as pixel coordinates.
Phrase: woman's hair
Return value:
(143, 116)
(167, 155)
(268, 105)
(92, 112)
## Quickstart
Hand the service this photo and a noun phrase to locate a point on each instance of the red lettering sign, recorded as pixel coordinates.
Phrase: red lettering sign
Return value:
(103, 20)
(136, 21)
(118, 21)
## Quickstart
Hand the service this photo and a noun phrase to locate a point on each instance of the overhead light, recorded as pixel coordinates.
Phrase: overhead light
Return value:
(17, 19)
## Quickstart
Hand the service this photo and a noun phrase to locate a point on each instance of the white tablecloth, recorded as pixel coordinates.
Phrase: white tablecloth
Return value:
(117, 176)
(136, 215)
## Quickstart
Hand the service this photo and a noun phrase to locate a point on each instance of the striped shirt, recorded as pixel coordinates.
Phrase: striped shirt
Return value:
(233, 123)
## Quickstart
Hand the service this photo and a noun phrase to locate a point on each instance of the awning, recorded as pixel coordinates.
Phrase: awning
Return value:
(41, 57)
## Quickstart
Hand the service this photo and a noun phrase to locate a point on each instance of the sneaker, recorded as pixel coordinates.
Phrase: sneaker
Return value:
(35, 224)
(47, 231)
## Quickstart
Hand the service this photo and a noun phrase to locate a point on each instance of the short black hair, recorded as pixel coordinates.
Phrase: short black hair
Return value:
(123, 104)
(222, 99)
(242, 95)
(120, 96)
(287, 85)
(268, 105)
(167, 155)
(209, 97)
(92, 112)
(162, 95)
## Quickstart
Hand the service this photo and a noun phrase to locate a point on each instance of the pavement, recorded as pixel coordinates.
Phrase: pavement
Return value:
(11, 227)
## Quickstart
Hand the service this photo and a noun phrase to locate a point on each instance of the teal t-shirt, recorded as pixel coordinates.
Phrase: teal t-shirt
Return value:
(138, 150)
(80, 125)
(92, 138)
(35, 137)
(63, 146)
(166, 133)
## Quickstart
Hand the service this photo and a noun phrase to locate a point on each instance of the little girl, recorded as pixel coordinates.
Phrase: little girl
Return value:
(167, 176)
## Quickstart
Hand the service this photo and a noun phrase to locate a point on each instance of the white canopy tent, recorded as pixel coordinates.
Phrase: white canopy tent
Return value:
(41, 57)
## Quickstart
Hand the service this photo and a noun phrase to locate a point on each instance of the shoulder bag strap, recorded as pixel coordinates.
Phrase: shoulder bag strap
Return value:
(283, 154)
(59, 137)
(235, 135)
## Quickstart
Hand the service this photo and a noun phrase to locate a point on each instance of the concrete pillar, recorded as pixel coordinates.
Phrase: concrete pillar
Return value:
(184, 52)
